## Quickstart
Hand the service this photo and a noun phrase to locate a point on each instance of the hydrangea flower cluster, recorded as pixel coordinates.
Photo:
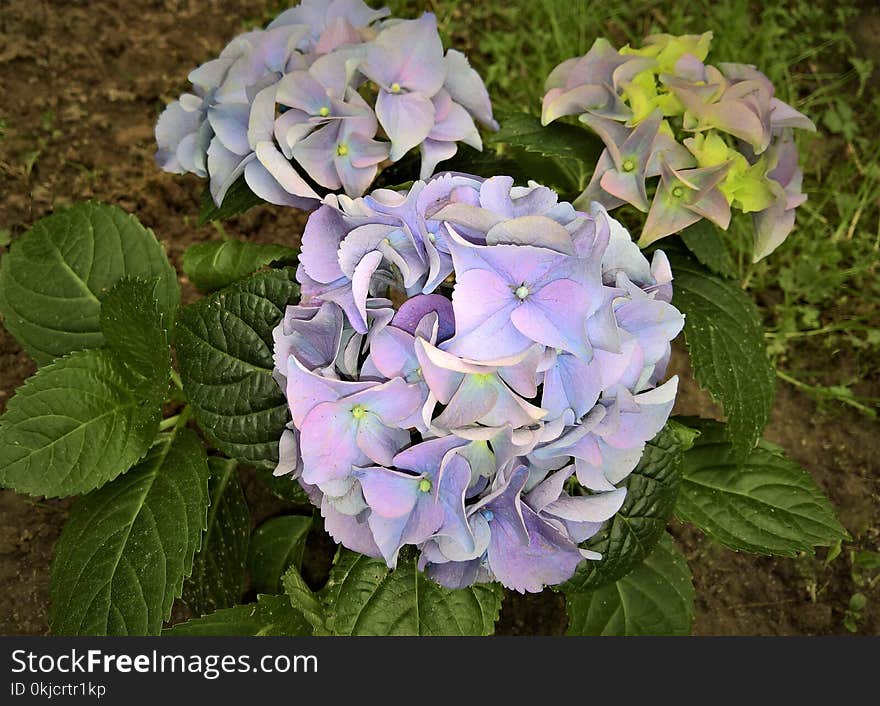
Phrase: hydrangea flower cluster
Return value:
(472, 369)
(716, 136)
(297, 106)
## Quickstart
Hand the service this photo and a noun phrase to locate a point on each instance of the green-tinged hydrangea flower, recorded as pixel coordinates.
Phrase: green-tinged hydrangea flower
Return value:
(713, 134)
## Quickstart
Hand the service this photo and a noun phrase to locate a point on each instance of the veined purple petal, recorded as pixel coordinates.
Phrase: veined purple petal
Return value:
(453, 123)
(230, 124)
(174, 124)
(553, 316)
(538, 231)
(323, 233)
(407, 53)
(352, 532)
(289, 461)
(225, 168)
(283, 172)
(433, 152)
(389, 493)
(306, 390)
(312, 335)
(301, 90)
(407, 119)
(467, 88)
(414, 310)
(338, 32)
(328, 439)
(316, 155)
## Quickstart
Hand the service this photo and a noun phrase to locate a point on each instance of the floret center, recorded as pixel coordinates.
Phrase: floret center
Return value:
(342, 149)
(521, 292)
(425, 485)
(395, 88)
(358, 411)
(629, 165)
(324, 112)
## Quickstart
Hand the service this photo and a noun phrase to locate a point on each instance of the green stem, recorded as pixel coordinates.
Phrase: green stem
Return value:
(750, 268)
(177, 422)
(822, 392)
(831, 328)
(169, 422)
(218, 226)
(175, 378)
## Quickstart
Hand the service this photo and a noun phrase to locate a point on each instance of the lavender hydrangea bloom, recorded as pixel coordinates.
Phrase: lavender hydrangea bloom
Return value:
(292, 108)
(644, 102)
(488, 415)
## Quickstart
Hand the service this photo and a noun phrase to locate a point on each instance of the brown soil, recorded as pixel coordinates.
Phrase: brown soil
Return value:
(82, 83)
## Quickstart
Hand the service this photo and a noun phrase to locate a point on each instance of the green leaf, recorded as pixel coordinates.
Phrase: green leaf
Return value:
(559, 139)
(239, 198)
(656, 598)
(54, 278)
(726, 342)
(224, 346)
(125, 550)
(270, 615)
(86, 418)
(705, 241)
(276, 545)
(467, 160)
(559, 154)
(135, 329)
(765, 504)
(362, 597)
(221, 563)
(302, 598)
(631, 535)
(283, 487)
(219, 263)
(77, 424)
(866, 559)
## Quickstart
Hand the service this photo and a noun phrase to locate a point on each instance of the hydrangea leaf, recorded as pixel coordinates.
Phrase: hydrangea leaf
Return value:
(558, 140)
(220, 565)
(125, 550)
(656, 598)
(766, 504)
(270, 615)
(283, 487)
(224, 346)
(86, 418)
(218, 263)
(77, 424)
(362, 597)
(303, 599)
(467, 160)
(239, 198)
(277, 544)
(571, 150)
(726, 342)
(631, 535)
(135, 328)
(54, 278)
(706, 243)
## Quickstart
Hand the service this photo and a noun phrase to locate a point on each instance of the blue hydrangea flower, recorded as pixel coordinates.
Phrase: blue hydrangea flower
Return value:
(295, 108)
(427, 411)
